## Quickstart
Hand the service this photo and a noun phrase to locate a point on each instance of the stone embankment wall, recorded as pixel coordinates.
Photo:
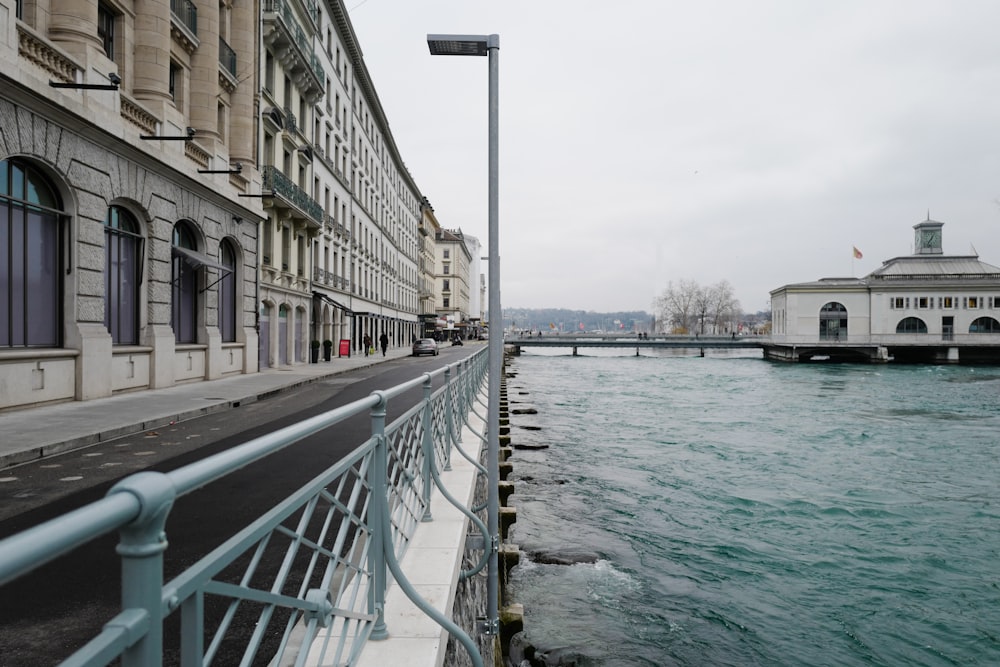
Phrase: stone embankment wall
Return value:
(471, 594)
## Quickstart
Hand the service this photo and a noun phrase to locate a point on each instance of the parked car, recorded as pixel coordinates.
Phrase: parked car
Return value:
(425, 346)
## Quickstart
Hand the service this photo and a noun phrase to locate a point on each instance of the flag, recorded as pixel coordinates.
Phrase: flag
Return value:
(857, 253)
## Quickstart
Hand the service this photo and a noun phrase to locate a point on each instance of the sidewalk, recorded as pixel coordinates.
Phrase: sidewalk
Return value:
(34, 433)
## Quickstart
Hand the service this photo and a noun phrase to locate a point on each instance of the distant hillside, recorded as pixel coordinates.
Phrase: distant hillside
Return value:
(563, 319)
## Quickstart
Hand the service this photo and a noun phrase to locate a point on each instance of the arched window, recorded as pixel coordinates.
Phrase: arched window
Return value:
(984, 325)
(833, 321)
(227, 292)
(911, 325)
(123, 245)
(184, 278)
(30, 257)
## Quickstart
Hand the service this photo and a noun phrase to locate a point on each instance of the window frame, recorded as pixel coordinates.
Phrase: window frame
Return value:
(29, 223)
(115, 238)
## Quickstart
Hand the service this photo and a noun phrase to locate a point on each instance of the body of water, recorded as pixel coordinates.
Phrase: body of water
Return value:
(750, 513)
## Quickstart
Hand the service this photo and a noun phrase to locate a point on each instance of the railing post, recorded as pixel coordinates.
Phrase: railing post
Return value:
(141, 548)
(427, 444)
(449, 419)
(377, 518)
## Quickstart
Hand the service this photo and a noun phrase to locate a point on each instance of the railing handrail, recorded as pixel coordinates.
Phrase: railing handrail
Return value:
(138, 506)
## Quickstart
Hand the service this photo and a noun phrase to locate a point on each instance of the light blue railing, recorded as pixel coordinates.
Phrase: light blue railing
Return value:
(308, 577)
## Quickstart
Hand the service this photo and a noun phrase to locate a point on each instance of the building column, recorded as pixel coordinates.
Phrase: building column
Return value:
(152, 50)
(242, 114)
(73, 26)
(203, 109)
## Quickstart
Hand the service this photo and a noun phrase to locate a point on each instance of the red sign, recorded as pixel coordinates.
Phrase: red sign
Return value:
(345, 347)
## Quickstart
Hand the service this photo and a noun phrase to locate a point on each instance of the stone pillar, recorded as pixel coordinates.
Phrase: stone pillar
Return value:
(203, 107)
(161, 365)
(243, 115)
(73, 26)
(213, 354)
(152, 50)
(93, 364)
(251, 356)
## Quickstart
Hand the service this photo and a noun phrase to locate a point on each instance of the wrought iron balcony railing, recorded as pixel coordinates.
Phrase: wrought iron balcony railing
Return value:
(282, 186)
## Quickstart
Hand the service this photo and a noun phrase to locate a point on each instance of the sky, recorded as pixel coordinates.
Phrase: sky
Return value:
(644, 142)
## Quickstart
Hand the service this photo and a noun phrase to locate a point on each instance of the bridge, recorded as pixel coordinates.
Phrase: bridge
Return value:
(660, 341)
(863, 348)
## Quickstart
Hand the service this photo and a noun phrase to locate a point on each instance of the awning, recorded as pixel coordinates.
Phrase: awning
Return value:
(199, 259)
(335, 304)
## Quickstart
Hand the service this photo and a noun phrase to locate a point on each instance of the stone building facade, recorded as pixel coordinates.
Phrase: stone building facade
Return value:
(453, 263)
(927, 306)
(339, 244)
(127, 137)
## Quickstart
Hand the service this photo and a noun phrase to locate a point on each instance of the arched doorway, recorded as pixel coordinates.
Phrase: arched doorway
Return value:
(833, 321)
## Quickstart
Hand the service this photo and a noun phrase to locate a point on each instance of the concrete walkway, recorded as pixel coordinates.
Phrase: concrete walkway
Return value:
(34, 433)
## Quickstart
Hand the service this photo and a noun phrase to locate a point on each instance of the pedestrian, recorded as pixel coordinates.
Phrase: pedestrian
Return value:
(383, 342)
(367, 342)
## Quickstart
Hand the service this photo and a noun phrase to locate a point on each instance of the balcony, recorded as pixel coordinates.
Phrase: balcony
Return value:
(227, 57)
(284, 34)
(184, 24)
(291, 125)
(292, 195)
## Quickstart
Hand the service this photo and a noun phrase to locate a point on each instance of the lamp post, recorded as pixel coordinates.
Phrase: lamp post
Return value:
(488, 45)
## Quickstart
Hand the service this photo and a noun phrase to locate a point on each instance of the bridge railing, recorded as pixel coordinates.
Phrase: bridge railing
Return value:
(302, 584)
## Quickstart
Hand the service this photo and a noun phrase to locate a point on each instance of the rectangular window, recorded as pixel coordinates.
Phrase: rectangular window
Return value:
(447, 302)
(973, 302)
(268, 241)
(176, 85)
(446, 269)
(447, 254)
(447, 286)
(269, 72)
(106, 29)
(922, 302)
(286, 247)
(897, 302)
(948, 302)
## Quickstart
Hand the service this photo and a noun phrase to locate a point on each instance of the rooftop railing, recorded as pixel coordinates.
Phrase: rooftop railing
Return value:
(334, 541)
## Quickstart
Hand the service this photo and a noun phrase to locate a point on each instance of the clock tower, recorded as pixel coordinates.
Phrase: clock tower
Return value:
(927, 237)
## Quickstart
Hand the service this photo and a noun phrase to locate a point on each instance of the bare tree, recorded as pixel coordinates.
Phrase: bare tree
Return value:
(676, 305)
(724, 306)
(688, 307)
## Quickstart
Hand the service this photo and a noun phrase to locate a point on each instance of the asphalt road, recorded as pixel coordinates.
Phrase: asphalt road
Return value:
(47, 615)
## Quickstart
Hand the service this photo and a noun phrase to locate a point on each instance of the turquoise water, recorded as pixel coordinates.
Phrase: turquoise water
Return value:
(752, 513)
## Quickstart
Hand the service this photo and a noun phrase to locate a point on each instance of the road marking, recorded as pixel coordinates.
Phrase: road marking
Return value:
(95, 454)
(110, 464)
(8, 479)
(143, 453)
(75, 478)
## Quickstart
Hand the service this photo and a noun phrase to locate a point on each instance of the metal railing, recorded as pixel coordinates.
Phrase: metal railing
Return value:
(227, 57)
(187, 13)
(333, 542)
(273, 179)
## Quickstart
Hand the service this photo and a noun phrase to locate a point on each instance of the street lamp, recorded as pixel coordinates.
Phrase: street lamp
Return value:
(488, 45)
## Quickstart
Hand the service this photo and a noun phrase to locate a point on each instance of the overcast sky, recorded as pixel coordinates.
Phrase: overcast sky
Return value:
(647, 141)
